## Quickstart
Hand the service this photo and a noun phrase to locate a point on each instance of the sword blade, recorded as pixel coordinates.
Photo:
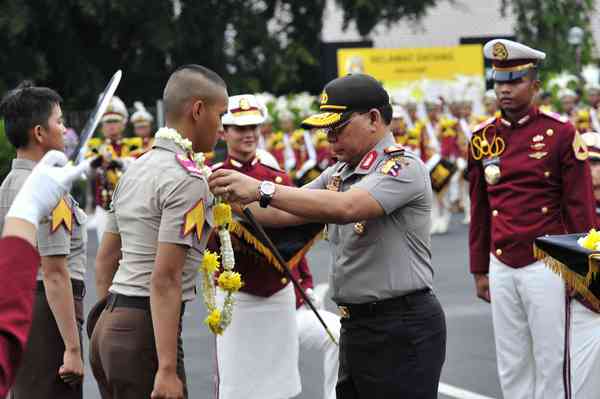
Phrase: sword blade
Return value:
(96, 114)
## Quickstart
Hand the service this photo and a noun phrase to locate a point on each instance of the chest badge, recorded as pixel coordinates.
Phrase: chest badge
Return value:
(538, 146)
(334, 183)
(359, 228)
(538, 155)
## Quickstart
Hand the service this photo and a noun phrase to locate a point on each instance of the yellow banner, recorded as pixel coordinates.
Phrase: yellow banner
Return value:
(396, 66)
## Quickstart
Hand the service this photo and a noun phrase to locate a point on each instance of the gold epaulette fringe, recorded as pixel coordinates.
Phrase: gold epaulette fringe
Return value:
(247, 236)
(574, 280)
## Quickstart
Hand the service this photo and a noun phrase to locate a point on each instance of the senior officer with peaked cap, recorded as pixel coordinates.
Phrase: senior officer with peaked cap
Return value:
(377, 202)
(529, 176)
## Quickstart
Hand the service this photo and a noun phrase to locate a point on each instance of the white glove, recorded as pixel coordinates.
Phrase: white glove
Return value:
(43, 189)
(314, 298)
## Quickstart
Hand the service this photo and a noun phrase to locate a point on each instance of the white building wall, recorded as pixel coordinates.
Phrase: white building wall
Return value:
(443, 25)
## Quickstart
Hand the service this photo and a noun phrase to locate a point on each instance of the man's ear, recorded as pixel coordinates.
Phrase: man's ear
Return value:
(198, 108)
(37, 134)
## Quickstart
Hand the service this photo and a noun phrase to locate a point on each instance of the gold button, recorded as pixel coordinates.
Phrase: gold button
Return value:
(544, 210)
(498, 252)
(547, 173)
(550, 132)
(495, 212)
(278, 179)
(284, 281)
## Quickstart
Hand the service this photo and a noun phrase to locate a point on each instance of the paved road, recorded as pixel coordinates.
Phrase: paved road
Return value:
(470, 361)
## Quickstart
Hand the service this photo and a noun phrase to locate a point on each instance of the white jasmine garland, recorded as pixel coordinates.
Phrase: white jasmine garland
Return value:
(218, 319)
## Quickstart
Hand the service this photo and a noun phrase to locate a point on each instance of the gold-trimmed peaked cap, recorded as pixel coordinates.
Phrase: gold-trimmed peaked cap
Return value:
(343, 96)
(511, 60)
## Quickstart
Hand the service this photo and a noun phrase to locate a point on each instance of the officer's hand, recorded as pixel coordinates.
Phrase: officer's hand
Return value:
(316, 301)
(234, 186)
(71, 372)
(482, 285)
(47, 183)
(167, 385)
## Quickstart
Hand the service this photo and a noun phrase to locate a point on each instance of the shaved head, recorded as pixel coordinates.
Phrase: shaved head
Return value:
(190, 82)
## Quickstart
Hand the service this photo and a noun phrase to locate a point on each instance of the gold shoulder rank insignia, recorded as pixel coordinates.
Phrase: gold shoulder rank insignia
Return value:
(194, 220)
(62, 215)
(579, 147)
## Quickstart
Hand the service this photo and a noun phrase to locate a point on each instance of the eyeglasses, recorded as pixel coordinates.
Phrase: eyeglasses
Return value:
(337, 130)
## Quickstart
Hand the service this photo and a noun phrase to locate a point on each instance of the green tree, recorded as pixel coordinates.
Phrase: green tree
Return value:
(545, 24)
(367, 14)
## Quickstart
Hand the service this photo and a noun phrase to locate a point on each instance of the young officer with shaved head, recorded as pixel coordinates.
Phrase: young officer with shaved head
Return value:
(529, 176)
(156, 233)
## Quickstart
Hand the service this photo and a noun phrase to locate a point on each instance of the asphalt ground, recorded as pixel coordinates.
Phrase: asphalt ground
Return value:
(470, 368)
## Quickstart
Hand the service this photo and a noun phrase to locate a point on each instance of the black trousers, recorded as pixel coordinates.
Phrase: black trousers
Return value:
(394, 352)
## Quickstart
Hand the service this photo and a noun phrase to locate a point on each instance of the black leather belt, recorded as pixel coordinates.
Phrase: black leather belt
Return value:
(78, 288)
(136, 302)
(371, 309)
(126, 301)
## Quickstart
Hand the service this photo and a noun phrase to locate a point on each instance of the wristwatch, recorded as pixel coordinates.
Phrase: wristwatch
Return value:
(266, 190)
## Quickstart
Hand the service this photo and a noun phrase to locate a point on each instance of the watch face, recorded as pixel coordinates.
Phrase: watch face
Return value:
(267, 188)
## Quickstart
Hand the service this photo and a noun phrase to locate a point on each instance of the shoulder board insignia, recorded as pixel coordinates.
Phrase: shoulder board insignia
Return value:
(193, 220)
(62, 215)
(484, 124)
(216, 166)
(394, 149)
(189, 165)
(555, 116)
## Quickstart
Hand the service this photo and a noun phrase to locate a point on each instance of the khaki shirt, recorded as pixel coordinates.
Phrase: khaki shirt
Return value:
(388, 256)
(151, 203)
(50, 242)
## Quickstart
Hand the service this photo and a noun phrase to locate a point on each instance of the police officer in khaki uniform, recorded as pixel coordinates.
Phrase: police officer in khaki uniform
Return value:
(158, 228)
(377, 202)
(54, 345)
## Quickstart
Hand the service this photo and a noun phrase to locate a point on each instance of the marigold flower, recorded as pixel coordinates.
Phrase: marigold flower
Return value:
(591, 240)
(222, 214)
(210, 261)
(213, 321)
(230, 281)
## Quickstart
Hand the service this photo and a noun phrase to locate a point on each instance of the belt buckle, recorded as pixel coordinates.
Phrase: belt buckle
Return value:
(344, 312)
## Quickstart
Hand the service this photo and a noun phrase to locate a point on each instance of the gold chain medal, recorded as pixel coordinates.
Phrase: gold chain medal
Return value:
(489, 152)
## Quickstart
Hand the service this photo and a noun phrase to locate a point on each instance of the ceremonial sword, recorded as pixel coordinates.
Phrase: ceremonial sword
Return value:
(94, 119)
(265, 238)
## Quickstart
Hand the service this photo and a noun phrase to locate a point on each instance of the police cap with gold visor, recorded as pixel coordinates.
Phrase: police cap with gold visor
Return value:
(343, 96)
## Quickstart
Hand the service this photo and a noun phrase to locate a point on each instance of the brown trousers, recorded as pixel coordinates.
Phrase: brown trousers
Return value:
(38, 375)
(123, 354)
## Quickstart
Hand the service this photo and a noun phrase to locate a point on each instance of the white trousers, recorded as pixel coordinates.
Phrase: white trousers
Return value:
(313, 336)
(257, 355)
(528, 311)
(585, 352)
(100, 222)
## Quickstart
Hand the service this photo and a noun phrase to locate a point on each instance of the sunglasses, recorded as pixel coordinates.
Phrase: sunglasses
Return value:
(337, 130)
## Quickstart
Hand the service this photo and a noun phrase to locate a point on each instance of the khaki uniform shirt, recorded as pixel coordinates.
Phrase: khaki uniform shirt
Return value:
(61, 237)
(388, 256)
(151, 204)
